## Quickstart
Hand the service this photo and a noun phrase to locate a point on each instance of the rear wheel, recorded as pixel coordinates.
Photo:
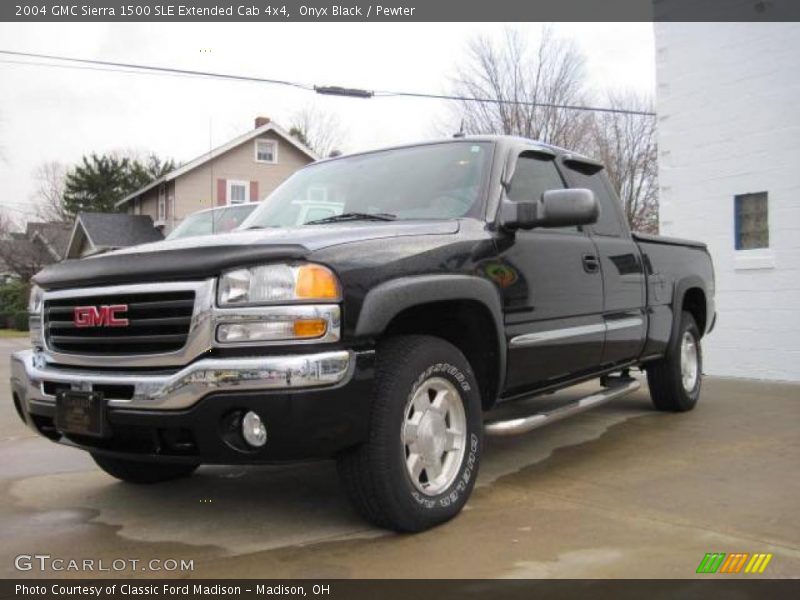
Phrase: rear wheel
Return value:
(135, 471)
(419, 464)
(675, 380)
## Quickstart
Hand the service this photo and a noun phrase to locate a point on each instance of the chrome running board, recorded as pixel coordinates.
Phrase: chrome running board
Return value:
(526, 424)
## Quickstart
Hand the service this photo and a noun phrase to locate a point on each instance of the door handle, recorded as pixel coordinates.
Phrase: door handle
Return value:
(591, 264)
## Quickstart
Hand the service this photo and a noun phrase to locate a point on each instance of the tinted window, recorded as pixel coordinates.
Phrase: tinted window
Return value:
(533, 177)
(608, 223)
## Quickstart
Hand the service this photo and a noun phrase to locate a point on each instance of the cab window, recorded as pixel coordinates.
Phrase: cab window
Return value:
(533, 176)
(592, 177)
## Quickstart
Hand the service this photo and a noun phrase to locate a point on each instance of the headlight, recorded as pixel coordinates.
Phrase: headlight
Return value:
(269, 284)
(35, 300)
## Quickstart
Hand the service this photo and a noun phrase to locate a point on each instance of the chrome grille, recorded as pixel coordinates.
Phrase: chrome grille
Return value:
(157, 322)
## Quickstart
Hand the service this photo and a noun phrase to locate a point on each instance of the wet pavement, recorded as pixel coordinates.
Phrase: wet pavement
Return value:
(620, 491)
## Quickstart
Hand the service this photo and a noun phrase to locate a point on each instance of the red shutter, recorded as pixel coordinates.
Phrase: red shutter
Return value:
(221, 199)
(253, 191)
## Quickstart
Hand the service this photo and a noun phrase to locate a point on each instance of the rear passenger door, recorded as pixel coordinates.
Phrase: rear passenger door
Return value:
(551, 287)
(624, 297)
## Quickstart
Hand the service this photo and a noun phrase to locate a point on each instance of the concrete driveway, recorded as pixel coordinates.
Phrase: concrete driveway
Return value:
(621, 491)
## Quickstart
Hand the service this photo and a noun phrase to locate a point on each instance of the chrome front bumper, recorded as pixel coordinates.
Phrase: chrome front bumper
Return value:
(184, 387)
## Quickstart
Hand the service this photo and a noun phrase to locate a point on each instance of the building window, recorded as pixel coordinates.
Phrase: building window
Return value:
(266, 151)
(238, 192)
(751, 221)
(162, 203)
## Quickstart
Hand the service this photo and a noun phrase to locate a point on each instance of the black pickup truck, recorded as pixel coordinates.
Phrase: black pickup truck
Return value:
(450, 278)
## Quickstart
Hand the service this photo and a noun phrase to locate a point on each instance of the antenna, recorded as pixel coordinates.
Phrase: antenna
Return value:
(460, 133)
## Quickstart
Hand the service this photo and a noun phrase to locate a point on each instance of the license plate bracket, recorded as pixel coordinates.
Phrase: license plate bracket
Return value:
(81, 413)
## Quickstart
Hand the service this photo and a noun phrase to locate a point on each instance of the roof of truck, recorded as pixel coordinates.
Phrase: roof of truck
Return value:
(503, 140)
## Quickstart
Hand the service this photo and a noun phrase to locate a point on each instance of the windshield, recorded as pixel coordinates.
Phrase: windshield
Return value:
(207, 222)
(436, 181)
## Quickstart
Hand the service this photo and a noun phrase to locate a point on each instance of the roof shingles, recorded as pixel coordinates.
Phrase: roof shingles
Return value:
(118, 230)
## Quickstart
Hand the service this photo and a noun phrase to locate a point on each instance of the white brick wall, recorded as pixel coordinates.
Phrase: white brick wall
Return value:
(728, 101)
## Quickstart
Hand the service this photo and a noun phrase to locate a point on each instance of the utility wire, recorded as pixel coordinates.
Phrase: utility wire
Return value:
(8, 61)
(147, 69)
(517, 102)
(169, 70)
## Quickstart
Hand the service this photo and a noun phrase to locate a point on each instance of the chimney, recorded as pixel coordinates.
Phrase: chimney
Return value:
(261, 121)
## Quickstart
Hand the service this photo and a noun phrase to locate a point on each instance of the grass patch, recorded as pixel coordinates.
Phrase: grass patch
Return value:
(13, 333)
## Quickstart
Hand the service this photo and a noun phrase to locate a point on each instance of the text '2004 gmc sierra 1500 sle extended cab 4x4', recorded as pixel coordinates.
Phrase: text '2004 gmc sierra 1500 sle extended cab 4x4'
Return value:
(455, 276)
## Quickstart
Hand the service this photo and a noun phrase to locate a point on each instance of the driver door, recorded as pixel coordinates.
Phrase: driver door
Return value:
(554, 306)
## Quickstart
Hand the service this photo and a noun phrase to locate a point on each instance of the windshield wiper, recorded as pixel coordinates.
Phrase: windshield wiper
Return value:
(354, 216)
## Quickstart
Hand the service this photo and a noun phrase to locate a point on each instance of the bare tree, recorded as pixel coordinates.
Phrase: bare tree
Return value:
(18, 254)
(8, 226)
(49, 194)
(319, 130)
(626, 145)
(525, 83)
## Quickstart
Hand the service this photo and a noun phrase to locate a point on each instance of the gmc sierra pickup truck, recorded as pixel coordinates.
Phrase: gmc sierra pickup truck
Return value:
(449, 278)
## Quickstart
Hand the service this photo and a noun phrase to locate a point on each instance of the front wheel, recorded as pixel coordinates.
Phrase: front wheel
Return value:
(135, 471)
(419, 464)
(675, 380)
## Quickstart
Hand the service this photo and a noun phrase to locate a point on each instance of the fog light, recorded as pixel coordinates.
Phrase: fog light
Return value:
(254, 431)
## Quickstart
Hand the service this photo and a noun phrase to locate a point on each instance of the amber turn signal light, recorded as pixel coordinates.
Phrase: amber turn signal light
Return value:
(309, 328)
(315, 282)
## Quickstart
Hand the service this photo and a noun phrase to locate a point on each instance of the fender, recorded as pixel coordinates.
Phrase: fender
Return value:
(681, 287)
(385, 301)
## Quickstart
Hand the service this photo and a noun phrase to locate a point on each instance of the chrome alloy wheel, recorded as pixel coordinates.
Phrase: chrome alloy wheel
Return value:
(690, 368)
(434, 435)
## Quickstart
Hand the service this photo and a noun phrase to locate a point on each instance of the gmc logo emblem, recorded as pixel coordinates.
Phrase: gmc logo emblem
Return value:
(100, 316)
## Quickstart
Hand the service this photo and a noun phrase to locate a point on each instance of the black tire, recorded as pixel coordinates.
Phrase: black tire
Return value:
(664, 376)
(374, 474)
(141, 472)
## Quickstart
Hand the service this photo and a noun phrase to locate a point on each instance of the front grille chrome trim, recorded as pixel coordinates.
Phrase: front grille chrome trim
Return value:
(198, 338)
(202, 330)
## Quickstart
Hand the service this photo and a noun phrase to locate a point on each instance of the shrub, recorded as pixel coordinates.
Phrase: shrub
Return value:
(20, 320)
(13, 297)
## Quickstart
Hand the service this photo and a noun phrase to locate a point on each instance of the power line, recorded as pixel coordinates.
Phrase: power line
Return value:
(169, 70)
(83, 68)
(328, 90)
(518, 103)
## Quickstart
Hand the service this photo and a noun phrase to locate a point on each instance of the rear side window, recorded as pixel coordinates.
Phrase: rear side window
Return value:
(589, 177)
(533, 176)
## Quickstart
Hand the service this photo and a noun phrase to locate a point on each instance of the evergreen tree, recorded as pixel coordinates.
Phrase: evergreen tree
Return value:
(99, 182)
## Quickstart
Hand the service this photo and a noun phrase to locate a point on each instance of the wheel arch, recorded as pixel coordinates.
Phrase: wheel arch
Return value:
(464, 310)
(690, 296)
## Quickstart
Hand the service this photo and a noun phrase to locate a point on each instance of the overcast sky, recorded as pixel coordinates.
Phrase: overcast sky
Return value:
(53, 114)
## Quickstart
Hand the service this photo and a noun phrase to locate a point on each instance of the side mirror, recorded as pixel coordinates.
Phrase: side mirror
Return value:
(557, 208)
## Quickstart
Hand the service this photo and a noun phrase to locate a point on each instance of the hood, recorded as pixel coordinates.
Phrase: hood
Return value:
(207, 256)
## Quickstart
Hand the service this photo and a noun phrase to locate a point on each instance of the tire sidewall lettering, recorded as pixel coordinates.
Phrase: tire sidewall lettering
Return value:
(443, 369)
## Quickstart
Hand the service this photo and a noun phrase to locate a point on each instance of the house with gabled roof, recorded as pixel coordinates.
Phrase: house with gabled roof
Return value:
(246, 169)
(94, 233)
(23, 253)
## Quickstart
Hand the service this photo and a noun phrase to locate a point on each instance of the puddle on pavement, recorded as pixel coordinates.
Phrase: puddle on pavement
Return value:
(249, 509)
(505, 456)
